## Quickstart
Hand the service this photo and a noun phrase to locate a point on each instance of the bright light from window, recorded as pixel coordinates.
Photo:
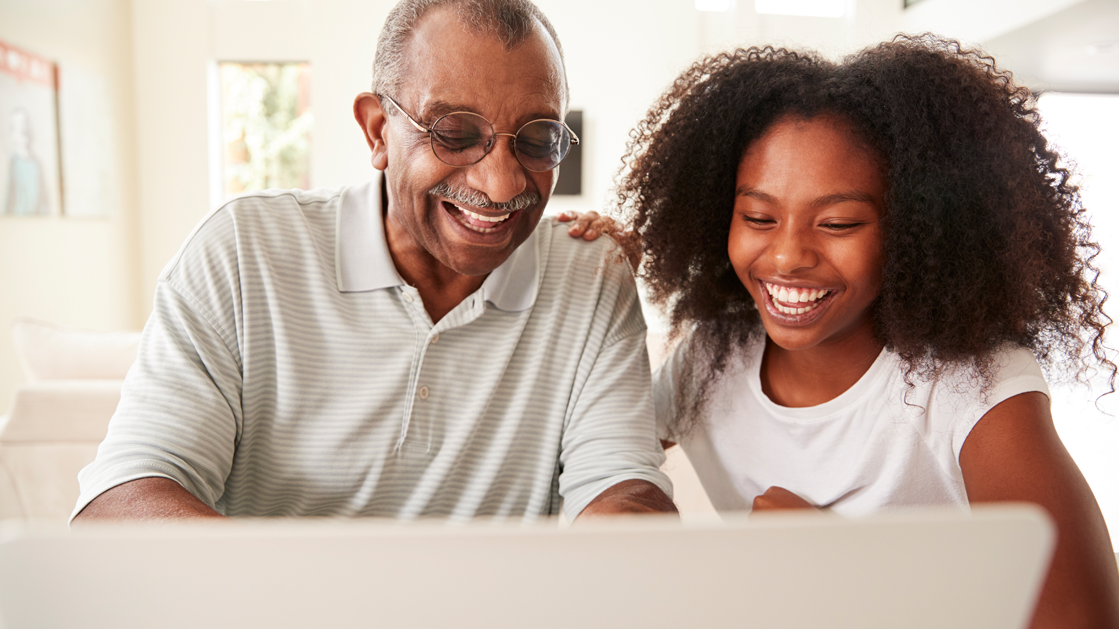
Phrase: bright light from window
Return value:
(1086, 126)
(712, 5)
(265, 126)
(805, 8)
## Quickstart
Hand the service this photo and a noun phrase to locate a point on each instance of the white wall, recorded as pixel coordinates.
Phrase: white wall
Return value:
(977, 21)
(620, 55)
(80, 272)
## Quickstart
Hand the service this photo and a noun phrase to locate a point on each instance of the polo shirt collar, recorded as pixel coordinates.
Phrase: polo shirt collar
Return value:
(363, 262)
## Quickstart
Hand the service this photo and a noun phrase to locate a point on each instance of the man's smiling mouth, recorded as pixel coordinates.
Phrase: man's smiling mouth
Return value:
(474, 221)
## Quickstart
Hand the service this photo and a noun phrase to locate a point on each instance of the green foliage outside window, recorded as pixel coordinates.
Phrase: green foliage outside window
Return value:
(266, 126)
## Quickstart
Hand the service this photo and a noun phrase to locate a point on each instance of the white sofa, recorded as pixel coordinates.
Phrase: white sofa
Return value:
(59, 416)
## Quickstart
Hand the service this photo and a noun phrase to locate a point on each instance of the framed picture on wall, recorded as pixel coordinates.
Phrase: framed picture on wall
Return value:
(30, 172)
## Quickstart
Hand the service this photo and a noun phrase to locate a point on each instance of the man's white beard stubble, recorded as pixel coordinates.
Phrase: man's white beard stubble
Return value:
(474, 198)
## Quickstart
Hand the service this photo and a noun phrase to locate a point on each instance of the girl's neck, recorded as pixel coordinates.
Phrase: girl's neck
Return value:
(812, 376)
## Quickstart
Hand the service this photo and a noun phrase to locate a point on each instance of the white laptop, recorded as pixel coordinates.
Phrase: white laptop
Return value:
(909, 569)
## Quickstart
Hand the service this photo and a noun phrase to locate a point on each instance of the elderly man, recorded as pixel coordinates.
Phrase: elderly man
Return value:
(423, 345)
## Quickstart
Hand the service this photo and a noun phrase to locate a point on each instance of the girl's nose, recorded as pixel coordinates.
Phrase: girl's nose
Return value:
(792, 250)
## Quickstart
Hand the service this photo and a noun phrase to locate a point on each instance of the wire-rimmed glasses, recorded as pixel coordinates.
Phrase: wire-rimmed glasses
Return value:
(462, 138)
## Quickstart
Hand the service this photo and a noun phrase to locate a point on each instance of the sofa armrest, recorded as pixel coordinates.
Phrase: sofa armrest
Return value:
(56, 411)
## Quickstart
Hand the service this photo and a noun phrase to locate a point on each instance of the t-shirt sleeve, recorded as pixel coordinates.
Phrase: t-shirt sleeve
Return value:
(610, 432)
(180, 408)
(1015, 371)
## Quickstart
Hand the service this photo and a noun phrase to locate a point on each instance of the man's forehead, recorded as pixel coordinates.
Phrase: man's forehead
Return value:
(450, 66)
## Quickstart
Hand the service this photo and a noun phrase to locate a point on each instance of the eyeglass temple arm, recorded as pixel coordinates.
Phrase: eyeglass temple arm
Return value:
(418, 126)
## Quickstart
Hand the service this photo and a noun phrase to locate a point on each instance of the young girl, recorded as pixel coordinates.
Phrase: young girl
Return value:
(864, 264)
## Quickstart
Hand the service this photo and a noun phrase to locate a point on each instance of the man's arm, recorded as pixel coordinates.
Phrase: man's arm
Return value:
(630, 496)
(145, 500)
(609, 453)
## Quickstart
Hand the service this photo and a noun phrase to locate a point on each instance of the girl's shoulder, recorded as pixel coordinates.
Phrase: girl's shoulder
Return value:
(1009, 371)
(947, 404)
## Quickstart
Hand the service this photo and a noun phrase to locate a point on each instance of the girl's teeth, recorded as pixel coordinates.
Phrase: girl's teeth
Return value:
(788, 295)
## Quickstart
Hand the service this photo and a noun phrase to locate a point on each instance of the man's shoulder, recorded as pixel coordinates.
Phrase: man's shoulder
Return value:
(260, 220)
(566, 254)
(277, 203)
(585, 277)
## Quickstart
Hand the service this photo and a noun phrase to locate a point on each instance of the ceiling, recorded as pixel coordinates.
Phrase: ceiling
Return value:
(1074, 50)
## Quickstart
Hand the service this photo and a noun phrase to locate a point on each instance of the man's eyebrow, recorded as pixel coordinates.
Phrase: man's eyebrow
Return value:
(437, 108)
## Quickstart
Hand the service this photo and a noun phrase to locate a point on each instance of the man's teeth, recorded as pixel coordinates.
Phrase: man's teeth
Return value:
(785, 295)
(481, 217)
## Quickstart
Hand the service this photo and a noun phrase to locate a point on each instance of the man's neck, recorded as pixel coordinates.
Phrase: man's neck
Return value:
(440, 287)
(440, 291)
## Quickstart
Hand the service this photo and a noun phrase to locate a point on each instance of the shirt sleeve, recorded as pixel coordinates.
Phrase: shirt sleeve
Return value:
(664, 391)
(180, 411)
(1014, 371)
(610, 433)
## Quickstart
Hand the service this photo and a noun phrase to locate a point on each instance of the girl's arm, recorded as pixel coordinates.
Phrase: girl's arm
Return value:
(1014, 454)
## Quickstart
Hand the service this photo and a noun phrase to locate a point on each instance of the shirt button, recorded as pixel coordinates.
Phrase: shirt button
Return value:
(424, 392)
(407, 298)
(434, 338)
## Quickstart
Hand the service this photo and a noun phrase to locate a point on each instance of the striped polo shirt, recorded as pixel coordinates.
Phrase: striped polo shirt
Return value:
(288, 370)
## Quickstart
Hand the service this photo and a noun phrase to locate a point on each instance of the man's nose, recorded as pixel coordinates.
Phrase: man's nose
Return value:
(792, 249)
(499, 174)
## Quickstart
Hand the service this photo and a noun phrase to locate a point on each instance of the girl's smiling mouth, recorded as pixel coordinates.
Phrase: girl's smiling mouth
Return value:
(792, 305)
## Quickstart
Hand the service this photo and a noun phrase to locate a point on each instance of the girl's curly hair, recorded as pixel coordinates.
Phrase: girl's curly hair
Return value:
(985, 241)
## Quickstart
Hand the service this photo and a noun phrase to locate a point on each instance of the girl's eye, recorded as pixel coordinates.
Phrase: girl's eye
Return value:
(839, 226)
(757, 220)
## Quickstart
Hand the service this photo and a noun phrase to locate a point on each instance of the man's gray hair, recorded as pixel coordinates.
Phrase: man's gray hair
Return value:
(510, 21)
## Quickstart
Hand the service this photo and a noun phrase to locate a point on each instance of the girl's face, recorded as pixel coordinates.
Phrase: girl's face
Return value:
(806, 239)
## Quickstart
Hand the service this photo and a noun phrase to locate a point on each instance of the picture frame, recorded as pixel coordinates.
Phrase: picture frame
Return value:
(30, 167)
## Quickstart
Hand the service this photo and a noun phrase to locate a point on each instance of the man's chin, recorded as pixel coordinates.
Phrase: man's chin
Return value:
(477, 265)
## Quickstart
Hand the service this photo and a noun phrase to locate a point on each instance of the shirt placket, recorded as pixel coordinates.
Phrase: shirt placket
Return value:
(417, 426)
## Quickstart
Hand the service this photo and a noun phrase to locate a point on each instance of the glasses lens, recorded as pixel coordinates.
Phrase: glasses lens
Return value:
(542, 144)
(461, 139)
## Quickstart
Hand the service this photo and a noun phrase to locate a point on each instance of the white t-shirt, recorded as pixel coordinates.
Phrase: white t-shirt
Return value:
(880, 444)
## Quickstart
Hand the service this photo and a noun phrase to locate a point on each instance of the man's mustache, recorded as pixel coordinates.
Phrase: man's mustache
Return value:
(474, 198)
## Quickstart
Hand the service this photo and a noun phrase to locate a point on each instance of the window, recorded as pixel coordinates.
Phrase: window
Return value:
(1086, 128)
(803, 8)
(265, 126)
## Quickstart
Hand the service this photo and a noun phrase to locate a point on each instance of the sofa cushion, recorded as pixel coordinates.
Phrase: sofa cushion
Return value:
(53, 352)
(59, 411)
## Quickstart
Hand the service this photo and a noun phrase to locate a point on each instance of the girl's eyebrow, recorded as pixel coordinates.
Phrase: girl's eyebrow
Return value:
(841, 197)
(824, 201)
(746, 191)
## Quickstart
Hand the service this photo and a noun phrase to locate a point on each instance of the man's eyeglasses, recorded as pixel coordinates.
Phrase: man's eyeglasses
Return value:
(462, 138)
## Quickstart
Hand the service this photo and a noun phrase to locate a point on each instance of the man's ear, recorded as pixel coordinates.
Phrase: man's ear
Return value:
(371, 118)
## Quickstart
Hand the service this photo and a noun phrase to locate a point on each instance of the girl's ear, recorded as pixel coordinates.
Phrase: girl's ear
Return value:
(371, 118)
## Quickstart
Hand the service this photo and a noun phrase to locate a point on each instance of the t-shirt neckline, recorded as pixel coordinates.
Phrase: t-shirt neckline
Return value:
(870, 381)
